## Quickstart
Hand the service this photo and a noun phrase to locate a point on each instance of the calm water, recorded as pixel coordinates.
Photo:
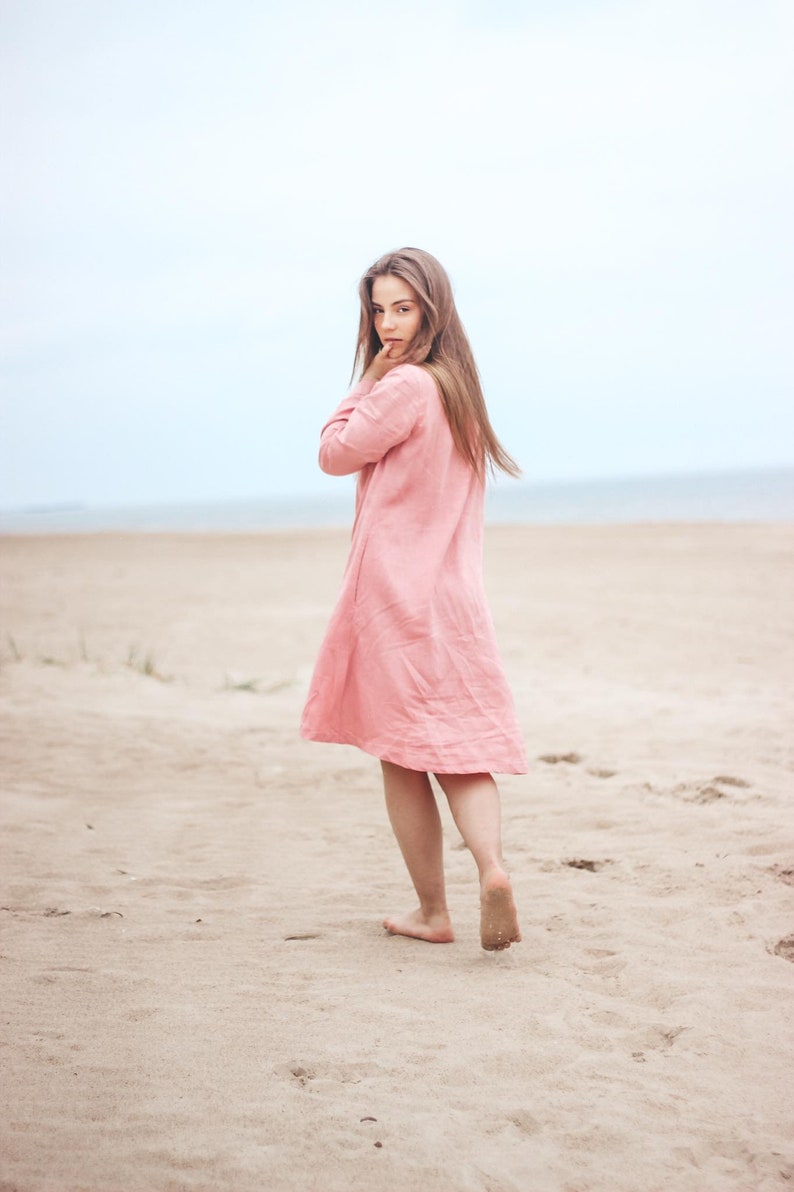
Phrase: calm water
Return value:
(736, 496)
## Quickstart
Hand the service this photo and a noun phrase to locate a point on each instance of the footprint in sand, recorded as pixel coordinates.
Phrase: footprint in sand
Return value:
(785, 948)
(523, 1120)
(301, 1074)
(574, 759)
(710, 791)
(326, 1076)
(653, 1038)
(705, 794)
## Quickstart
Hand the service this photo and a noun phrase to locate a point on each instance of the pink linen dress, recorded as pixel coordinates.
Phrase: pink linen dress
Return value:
(409, 669)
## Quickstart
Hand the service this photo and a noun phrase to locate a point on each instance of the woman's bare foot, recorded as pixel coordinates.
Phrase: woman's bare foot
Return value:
(436, 929)
(498, 916)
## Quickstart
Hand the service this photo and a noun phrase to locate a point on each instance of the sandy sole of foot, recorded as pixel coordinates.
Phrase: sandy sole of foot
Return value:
(498, 917)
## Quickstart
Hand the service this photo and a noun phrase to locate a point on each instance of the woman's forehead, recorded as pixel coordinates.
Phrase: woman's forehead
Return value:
(388, 290)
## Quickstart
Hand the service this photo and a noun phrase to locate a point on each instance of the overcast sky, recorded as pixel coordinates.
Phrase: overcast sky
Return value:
(191, 190)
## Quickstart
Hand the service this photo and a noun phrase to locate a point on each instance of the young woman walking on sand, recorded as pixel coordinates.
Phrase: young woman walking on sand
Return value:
(409, 670)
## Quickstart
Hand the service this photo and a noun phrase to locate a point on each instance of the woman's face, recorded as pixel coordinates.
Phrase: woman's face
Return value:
(396, 313)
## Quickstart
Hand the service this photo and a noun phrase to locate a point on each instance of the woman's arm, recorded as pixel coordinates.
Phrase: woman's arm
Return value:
(373, 418)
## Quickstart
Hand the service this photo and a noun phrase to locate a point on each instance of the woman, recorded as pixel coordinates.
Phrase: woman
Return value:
(409, 669)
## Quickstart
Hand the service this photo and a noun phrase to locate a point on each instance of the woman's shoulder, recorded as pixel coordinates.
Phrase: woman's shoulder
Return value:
(414, 376)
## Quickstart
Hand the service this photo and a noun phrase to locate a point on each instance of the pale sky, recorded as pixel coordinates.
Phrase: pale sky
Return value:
(191, 190)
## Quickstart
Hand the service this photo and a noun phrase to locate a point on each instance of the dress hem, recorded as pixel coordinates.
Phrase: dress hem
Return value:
(478, 767)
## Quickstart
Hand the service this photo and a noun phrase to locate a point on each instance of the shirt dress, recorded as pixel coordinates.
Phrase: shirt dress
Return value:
(409, 669)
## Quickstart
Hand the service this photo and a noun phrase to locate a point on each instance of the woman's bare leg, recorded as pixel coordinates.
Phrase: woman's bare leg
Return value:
(414, 818)
(474, 803)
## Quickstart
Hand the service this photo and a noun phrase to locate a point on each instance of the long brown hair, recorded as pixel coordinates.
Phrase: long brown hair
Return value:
(442, 347)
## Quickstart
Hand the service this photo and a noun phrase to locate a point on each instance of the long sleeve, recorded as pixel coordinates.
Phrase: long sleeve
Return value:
(372, 419)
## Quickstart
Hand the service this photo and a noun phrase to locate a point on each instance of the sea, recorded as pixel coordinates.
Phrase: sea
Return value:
(738, 495)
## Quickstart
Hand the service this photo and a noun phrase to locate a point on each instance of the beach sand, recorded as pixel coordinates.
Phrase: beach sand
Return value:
(197, 993)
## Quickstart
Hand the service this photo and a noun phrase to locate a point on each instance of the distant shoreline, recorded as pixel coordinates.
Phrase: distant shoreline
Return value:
(739, 495)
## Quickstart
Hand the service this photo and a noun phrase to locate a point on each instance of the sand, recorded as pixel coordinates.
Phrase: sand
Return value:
(196, 989)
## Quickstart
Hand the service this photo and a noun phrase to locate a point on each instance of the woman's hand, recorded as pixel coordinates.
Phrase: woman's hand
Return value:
(381, 363)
